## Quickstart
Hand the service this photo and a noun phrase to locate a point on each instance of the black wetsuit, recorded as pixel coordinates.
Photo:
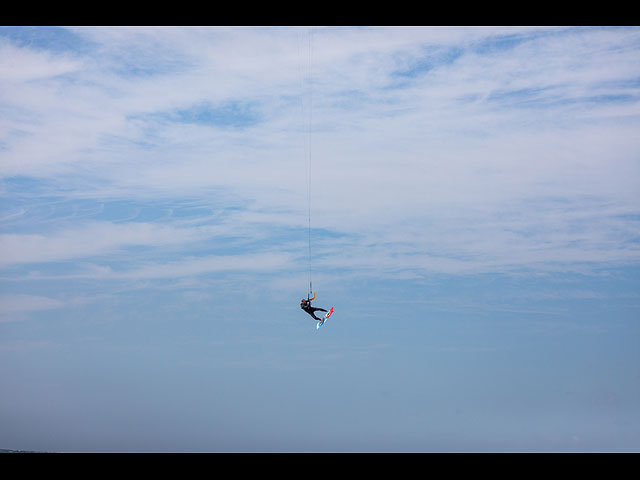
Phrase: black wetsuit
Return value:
(306, 306)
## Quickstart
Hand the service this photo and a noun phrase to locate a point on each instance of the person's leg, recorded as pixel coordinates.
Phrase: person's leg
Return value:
(316, 309)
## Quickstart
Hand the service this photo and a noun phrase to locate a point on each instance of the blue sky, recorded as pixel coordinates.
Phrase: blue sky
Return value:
(475, 218)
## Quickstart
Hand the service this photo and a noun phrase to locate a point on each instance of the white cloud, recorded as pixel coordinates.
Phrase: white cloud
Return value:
(267, 262)
(20, 65)
(21, 303)
(459, 161)
(255, 263)
(90, 239)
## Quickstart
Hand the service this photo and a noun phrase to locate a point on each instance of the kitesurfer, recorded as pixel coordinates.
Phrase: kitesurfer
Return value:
(305, 304)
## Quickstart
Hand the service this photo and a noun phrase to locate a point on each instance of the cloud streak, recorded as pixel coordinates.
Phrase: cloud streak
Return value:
(91, 239)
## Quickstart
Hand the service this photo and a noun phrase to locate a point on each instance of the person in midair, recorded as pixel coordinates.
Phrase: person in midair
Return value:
(305, 304)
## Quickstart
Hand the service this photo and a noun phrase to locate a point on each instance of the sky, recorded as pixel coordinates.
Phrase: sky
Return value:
(467, 199)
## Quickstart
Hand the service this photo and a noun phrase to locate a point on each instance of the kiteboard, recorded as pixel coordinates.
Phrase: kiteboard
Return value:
(324, 319)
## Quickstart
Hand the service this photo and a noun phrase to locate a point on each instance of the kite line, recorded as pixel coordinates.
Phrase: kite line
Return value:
(307, 94)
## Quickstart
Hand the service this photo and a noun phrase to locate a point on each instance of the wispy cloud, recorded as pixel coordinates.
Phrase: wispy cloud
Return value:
(262, 262)
(20, 65)
(19, 303)
(91, 239)
(456, 150)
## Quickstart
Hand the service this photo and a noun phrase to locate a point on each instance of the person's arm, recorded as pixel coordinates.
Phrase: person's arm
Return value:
(314, 296)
